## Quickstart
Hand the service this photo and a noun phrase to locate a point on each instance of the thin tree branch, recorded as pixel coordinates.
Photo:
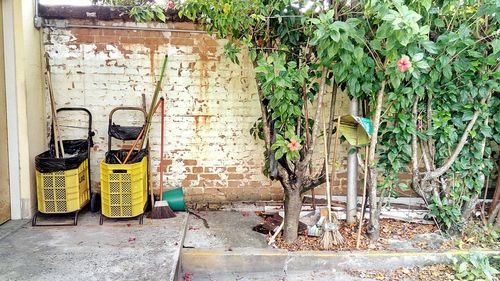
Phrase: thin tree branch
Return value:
(414, 144)
(332, 113)
(424, 156)
(321, 93)
(374, 226)
(430, 142)
(463, 140)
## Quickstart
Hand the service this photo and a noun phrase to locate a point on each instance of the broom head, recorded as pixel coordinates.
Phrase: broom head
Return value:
(161, 210)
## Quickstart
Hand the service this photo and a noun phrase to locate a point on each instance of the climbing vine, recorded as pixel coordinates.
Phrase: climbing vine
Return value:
(428, 71)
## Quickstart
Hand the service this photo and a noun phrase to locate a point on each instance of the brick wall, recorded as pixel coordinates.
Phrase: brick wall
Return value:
(211, 104)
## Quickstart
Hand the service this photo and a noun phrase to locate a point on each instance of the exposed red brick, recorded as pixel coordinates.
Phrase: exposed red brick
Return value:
(131, 40)
(176, 41)
(235, 177)
(155, 41)
(234, 183)
(109, 39)
(86, 39)
(189, 162)
(86, 31)
(210, 176)
(197, 169)
(167, 162)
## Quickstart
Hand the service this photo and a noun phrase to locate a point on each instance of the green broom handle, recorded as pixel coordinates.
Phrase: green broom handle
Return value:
(154, 102)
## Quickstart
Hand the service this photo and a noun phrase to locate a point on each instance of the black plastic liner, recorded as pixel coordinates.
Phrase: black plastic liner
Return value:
(48, 163)
(135, 157)
(124, 132)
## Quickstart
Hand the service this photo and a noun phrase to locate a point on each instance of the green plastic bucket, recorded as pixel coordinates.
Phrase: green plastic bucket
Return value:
(175, 199)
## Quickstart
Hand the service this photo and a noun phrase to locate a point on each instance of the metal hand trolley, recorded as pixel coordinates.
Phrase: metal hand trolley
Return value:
(63, 184)
(124, 186)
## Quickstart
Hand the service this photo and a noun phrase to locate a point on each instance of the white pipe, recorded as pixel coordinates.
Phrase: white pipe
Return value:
(352, 175)
(12, 112)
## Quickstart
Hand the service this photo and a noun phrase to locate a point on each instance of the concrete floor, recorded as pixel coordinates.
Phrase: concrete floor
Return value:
(226, 229)
(227, 249)
(117, 250)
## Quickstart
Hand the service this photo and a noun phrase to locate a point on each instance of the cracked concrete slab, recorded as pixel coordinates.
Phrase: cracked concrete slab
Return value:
(117, 250)
(226, 229)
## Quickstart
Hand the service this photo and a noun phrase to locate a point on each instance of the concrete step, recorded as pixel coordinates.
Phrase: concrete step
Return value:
(248, 263)
(315, 275)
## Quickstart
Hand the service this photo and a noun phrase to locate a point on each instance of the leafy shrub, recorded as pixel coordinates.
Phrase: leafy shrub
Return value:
(474, 266)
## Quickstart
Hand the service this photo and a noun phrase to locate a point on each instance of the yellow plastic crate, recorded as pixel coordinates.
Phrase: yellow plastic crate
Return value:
(124, 189)
(63, 191)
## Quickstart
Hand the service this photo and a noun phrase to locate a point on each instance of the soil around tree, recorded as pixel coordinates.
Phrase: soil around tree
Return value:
(390, 230)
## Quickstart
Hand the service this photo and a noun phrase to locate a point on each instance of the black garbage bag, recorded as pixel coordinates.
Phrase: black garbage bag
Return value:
(112, 156)
(124, 132)
(76, 151)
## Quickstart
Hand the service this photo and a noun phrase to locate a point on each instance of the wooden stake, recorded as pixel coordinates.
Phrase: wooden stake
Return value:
(57, 133)
(365, 178)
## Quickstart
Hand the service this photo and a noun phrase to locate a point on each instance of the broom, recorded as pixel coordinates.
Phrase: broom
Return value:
(331, 234)
(161, 209)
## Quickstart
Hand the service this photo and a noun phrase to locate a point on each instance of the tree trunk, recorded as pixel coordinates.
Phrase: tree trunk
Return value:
(470, 206)
(496, 195)
(374, 226)
(495, 216)
(293, 205)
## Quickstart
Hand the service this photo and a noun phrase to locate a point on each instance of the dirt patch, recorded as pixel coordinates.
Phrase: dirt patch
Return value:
(432, 272)
(390, 229)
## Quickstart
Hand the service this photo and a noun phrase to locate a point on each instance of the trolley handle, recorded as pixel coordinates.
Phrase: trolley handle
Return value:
(123, 108)
(90, 133)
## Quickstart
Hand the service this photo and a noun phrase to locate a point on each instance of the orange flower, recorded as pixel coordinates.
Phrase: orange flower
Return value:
(403, 63)
(293, 145)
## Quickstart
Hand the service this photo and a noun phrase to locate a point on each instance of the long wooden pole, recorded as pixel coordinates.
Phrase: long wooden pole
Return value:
(362, 211)
(57, 133)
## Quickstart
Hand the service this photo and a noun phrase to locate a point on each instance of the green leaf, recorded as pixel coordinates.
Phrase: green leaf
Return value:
(429, 46)
(447, 71)
(358, 53)
(335, 35)
(496, 45)
(278, 154)
(439, 22)
(395, 81)
(418, 57)
(424, 30)
(422, 64)
(404, 187)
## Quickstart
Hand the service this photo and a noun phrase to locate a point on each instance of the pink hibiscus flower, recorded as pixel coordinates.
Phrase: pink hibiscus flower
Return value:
(403, 63)
(293, 145)
(170, 5)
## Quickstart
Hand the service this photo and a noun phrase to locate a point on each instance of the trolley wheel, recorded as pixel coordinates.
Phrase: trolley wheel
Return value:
(141, 219)
(33, 220)
(95, 202)
(101, 220)
(75, 219)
